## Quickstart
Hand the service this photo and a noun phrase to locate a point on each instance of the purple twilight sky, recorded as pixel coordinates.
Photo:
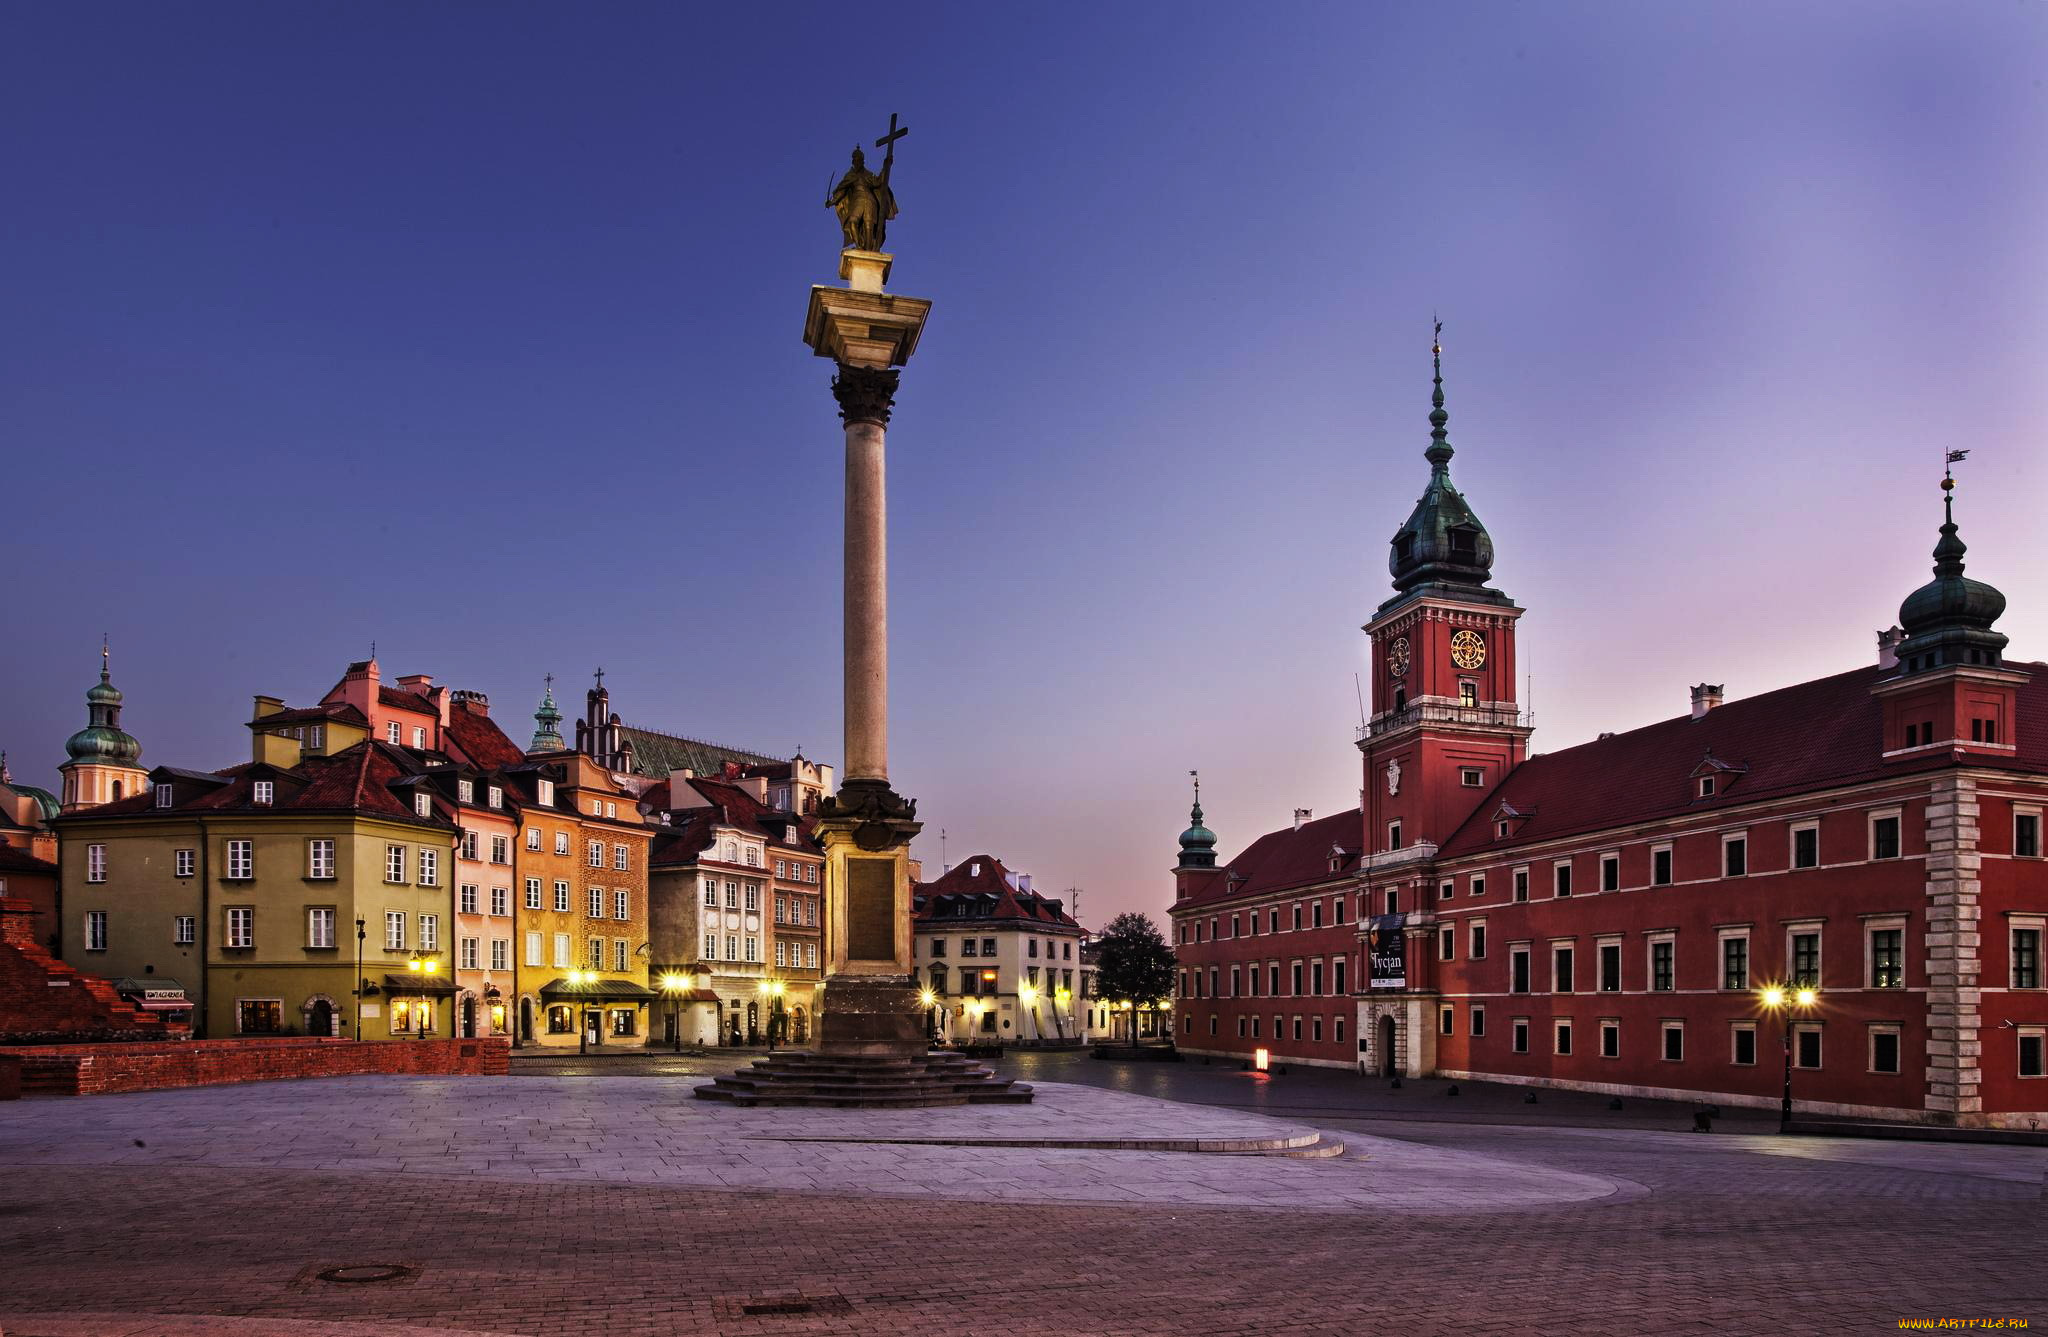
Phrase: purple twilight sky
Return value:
(473, 329)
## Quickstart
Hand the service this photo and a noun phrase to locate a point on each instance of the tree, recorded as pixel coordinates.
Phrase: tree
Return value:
(1133, 965)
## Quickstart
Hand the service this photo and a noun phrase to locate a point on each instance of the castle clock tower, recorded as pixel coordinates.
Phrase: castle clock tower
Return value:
(1446, 726)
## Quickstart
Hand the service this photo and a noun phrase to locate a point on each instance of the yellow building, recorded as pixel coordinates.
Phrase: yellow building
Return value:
(261, 888)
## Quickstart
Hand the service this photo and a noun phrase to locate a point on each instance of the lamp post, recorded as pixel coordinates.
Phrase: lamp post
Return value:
(672, 985)
(360, 933)
(494, 1003)
(1061, 997)
(931, 1019)
(1782, 1001)
(576, 980)
(772, 990)
(1027, 999)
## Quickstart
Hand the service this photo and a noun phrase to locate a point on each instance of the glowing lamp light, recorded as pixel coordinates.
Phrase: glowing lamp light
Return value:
(1028, 994)
(414, 965)
(433, 965)
(1260, 1059)
(1808, 997)
(1774, 997)
(673, 983)
(927, 997)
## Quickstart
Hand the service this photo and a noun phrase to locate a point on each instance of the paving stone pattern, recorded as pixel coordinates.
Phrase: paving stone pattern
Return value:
(1726, 1234)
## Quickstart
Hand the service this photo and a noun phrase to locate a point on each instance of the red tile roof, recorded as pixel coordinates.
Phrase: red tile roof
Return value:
(478, 739)
(13, 859)
(333, 710)
(1814, 735)
(980, 886)
(358, 779)
(400, 699)
(1278, 860)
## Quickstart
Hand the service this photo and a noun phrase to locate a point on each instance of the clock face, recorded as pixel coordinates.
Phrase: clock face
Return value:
(1468, 649)
(1397, 657)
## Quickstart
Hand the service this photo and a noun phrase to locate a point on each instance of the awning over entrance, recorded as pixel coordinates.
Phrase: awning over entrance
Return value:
(418, 984)
(155, 994)
(599, 991)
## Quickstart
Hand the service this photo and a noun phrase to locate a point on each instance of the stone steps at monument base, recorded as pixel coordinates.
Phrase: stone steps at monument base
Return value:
(901, 1081)
(845, 1090)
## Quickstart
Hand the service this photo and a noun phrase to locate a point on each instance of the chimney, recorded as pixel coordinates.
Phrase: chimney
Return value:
(1301, 817)
(477, 702)
(417, 683)
(1023, 881)
(1705, 697)
(1888, 647)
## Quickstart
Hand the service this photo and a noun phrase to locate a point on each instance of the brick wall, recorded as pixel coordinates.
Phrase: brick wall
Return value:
(100, 1069)
(45, 1001)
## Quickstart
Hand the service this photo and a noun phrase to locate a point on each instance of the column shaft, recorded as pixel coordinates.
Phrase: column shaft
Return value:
(867, 604)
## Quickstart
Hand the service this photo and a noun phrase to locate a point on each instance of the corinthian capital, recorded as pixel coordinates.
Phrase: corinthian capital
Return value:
(865, 394)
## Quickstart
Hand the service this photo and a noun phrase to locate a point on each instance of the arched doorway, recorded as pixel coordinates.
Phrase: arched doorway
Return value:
(320, 1017)
(1388, 1066)
(526, 1020)
(799, 1026)
(469, 1016)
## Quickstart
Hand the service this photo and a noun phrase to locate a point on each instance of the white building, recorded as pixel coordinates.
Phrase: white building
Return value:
(1000, 963)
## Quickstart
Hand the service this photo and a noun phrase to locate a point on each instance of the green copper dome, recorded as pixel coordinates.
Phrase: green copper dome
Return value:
(103, 739)
(1198, 842)
(1948, 620)
(547, 737)
(1442, 543)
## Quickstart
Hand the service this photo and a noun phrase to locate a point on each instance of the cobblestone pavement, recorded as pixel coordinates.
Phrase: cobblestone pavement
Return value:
(1728, 1234)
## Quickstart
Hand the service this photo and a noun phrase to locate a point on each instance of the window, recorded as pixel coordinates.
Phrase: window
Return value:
(262, 792)
(501, 901)
(1806, 846)
(1272, 920)
(1447, 943)
(2026, 958)
(1610, 1039)
(394, 733)
(622, 858)
(534, 956)
(1476, 944)
(753, 898)
(430, 933)
(1478, 885)
(184, 862)
(184, 930)
(95, 930)
(394, 863)
(320, 858)
(939, 946)
(561, 897)
(2032, 1041)
(165, 796)
(1476, 1024)
(533, 837)
(2026, 835)
(594, 957)
(1887, 958)
(320, 926)
(1294, 979)
(1610, 872)
(469, 956)
(1337, 972)
(1884, 836)
(561, 842)
(1393, 835)
(1445, 890)
(423, 804)
(1805, 958)
(1743, 1039)
(595, 909)
(533, 895)
(1446, 1023)
(1674, 1042)
(1806, 1046)
(465, 791)
(753, 949)
(622, 904)
(622, 953)
(259, 1016)
(430, 868)
(1393, 902)
(1471, 777)
(967, 947)
(1561, 962)
(1734, 856)
(501, 849)
(1660, 866)
(241, 927)
(394, 930)
(1562, 875)
(1610, 967)
(1884, 1049)
(1521, 884)
(96, 863)
(1561, 1037)
(241, 859)
(1706, 786)
(466, 898)
(1735, 961)
(494, 797)
(1521, 1036)
(1663, 969)
(1518, 970)
(594, 854)
(1468, 693)
(419, 736)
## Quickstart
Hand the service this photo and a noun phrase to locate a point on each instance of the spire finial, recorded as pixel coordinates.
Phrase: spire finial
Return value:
(550, 680)
(1439, 452)
(600, 678)
(1196, 776)
(1949, 548)
(105, 657)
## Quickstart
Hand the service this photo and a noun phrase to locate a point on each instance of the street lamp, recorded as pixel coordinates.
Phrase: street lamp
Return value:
(1061, 997)
(423, 966)
(577, 979)
(360, 933)
(673, 985)
(772, 990)
(1027, 997)
(1780, 1000)
(930, 1002)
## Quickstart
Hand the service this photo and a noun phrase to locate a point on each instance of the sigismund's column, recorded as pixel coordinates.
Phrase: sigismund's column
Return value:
(869, 1002)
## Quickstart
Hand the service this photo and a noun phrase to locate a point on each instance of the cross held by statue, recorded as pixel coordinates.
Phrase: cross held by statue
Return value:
(887, 142)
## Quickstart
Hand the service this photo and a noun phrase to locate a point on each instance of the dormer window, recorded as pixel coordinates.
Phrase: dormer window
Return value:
(546, 791)
(394, 733)
(1464, 544)
(163, 796)
(262, 792)
(465, 790)
(1404, 547)
(495, 796)
(419, 737)
(1500, 831)
(423, 804)
(1706, 786)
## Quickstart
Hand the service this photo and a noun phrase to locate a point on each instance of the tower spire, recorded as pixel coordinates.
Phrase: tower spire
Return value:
(1439, 452)
(547, 735)
(1949, 620)
(1198, 842)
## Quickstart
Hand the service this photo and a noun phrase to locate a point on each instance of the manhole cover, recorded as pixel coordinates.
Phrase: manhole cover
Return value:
(779, 1306)
(359, 1273)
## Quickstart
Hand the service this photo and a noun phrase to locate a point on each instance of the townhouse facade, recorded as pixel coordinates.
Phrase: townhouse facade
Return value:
(999, 962)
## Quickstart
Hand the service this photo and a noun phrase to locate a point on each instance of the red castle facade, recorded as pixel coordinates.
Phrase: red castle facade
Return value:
(1610, 917)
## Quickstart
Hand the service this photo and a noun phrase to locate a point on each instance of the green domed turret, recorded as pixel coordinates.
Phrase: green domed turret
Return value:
(547, 736)
(1948, 620)
(103, 739)
(1198, 842)
(1442, 543)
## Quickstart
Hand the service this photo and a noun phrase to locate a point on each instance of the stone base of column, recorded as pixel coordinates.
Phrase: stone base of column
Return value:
(872, 1016)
